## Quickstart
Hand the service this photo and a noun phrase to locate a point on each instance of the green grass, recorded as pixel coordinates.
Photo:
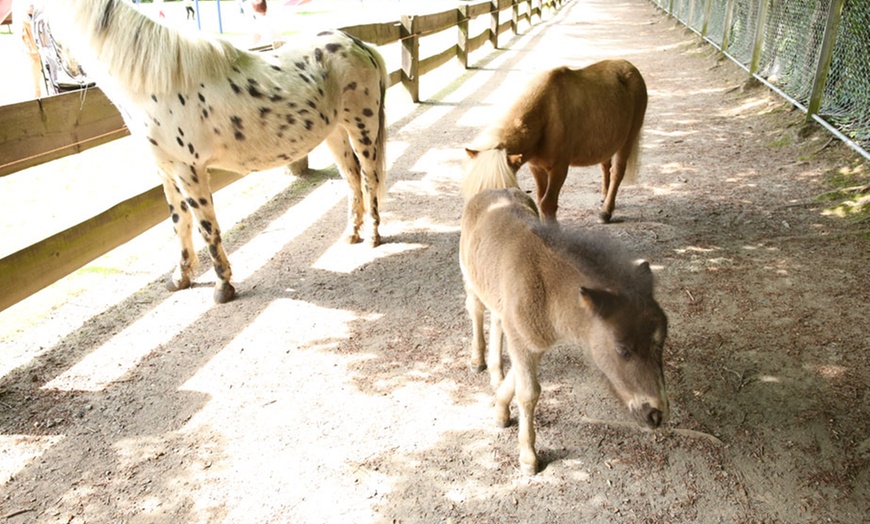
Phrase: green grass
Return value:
(849, 192)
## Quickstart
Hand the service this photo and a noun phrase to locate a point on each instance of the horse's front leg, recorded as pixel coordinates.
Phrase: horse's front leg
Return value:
(541, 177)
(503, 396)
(548, 198)
(192, 189)
(349, 167)
(182, 227)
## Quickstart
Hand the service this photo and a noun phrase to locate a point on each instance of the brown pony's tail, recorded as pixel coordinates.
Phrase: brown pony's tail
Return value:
(632, 165)
(489, 169)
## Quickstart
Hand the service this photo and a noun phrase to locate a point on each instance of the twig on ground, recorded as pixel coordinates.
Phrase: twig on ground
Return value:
(676, 431)
(822, 237)
(19, 512)
(824, 146)
(691, 298)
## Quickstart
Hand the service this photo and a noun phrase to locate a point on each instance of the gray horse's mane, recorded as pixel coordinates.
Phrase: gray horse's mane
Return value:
(604, 261)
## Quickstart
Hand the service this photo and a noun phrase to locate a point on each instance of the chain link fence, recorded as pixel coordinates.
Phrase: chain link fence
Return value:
(813, 52)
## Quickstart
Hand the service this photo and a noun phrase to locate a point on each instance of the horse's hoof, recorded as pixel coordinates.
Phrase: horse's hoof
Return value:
(529, 469)
(224, 292)
(604, 217)
(173, 285)
(375, 240)
(478, 368)
(502, 419)
(352, 238)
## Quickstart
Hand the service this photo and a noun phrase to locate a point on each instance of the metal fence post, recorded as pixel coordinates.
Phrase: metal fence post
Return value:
(835, 11)
(759, 37)
(411, 57)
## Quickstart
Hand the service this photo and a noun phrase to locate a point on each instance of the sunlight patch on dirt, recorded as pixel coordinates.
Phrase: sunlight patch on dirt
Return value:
(342, 257)
(297, 220)
(124, 351)
(16, 451)
(289, 349)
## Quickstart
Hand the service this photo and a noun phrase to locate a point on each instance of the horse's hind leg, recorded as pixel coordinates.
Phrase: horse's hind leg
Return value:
(605, 177)
(348, 165)
(475, 310)
(367, 141)
(493, 357)
(524, 368)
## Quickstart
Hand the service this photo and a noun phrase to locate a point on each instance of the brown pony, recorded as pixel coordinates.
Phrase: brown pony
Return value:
(544, 285)
(566, 117)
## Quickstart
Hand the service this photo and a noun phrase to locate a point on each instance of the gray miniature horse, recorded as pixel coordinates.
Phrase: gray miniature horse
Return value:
(565, 117)
(543, 285)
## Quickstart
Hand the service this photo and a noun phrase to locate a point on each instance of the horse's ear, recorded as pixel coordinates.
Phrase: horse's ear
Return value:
(472, 154)
(515, 160)
(643, 267)
(602, 303)
(644, 273)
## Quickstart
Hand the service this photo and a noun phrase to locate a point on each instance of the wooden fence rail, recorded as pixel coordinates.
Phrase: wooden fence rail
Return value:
(38, 131)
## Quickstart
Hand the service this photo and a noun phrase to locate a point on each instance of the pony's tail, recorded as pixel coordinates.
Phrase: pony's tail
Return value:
(632, 164)
(381, 139)
(488, 169)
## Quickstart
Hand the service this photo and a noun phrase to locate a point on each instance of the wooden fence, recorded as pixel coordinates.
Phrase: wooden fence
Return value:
(39, 131)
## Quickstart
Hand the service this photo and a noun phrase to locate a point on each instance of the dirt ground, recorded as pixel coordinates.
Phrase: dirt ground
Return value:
(336, 387)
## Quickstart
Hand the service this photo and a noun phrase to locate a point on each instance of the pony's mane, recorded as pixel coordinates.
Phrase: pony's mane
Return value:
(599, 258)
(140, 55)
(489, 169)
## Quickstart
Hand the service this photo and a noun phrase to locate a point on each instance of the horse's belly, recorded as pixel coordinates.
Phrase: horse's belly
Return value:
(258, 153)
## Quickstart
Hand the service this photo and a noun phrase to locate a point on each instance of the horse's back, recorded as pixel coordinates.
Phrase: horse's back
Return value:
(592, 112)
(503, 261)
(495, 228)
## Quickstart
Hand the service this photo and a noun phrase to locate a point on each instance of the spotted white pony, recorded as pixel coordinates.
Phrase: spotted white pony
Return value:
(198, 103)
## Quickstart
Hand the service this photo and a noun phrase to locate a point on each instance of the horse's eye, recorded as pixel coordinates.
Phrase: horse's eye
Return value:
(623, 351)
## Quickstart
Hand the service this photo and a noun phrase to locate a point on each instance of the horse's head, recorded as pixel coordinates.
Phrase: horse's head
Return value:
(489, 169)
(626, 339)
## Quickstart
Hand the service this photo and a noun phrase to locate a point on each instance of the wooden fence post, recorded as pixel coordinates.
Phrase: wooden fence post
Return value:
(835, 11)
(759, 37)
(462, 43)
(493, 24)
(515, 16)
(410, 57)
